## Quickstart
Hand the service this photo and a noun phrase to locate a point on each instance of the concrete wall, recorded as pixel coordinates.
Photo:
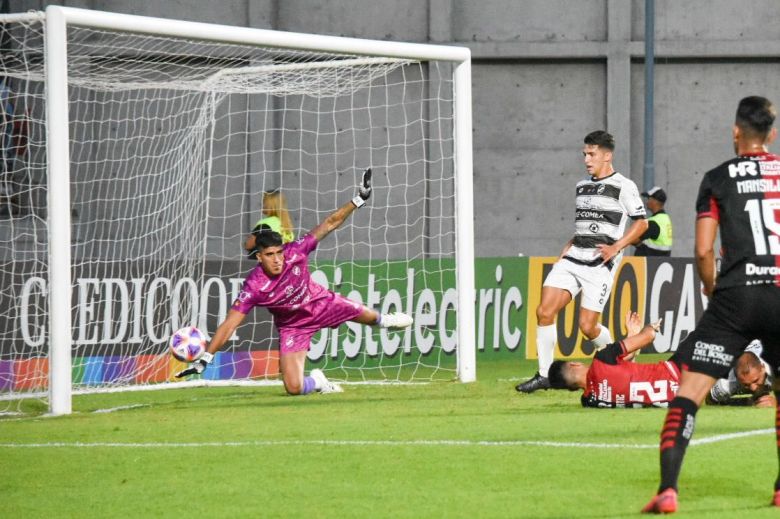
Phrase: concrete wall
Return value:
(545, 73)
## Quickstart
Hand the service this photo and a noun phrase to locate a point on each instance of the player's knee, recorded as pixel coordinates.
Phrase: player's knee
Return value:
(545, 315)
(589, 329)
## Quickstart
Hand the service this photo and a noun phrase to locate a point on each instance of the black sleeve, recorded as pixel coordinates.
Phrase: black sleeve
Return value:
(610, 354)
(653, 231)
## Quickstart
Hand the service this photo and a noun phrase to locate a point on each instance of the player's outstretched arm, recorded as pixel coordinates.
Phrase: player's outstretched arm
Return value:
(334, 221)
(639, 336)
(224, 332)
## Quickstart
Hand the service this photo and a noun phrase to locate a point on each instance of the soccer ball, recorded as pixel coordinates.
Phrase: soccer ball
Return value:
(188, 344)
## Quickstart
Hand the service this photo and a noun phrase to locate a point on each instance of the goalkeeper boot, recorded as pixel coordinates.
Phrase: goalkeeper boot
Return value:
(536, 383)
(663, 503)
(322, 384)
(396, 320)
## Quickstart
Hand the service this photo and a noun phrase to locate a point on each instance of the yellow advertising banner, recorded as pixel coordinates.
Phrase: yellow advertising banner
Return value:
(628, 293)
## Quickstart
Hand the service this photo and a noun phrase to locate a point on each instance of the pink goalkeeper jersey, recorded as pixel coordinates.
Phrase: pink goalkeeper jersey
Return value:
(292, 297)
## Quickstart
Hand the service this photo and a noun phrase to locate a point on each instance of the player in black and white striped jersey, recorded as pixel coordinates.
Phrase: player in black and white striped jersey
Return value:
(605, 204)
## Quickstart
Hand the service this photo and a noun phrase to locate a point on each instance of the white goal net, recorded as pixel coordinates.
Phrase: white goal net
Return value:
(173, 141)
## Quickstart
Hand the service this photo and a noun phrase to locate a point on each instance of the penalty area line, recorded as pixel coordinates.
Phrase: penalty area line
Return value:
(378, 443)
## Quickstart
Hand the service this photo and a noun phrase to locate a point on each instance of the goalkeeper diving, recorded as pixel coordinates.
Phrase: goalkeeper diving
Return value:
(281, 282)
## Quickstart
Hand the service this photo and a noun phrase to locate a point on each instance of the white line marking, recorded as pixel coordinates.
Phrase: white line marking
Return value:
(375, 443)
(730, 436)
(119, 408)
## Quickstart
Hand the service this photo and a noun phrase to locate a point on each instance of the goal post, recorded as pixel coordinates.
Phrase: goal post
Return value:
(161, 137)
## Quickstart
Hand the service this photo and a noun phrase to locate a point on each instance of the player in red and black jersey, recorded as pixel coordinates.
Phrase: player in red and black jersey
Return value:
(613, 380)
(740, 197)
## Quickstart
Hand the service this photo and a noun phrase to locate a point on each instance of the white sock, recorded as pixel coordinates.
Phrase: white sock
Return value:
(546, 337)
(604, 338)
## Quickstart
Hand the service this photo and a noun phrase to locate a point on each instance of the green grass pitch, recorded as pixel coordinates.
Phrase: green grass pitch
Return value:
(437, 450)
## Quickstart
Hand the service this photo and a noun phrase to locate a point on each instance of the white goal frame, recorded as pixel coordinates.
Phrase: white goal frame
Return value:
(57, 20)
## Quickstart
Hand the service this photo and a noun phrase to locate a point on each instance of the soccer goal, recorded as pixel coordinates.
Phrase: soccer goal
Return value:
(136, 154)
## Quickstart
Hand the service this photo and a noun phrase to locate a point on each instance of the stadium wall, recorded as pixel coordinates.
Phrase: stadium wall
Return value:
(545, 73)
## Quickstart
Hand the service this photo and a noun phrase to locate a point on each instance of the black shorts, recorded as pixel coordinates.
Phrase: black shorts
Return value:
(734, 317)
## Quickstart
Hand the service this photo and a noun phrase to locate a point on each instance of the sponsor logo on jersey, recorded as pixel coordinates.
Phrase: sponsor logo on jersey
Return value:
(752, 269)
(743, 169)
(585, 214)
(604, 391)
(297, 270)
(770, 167)
(243, 296)
(600, 189)
(711, 354)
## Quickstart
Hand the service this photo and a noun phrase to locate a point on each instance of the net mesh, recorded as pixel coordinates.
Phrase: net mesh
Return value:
(173, 143)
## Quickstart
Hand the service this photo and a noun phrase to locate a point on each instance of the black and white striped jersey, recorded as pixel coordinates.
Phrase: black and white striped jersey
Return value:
(604, 207)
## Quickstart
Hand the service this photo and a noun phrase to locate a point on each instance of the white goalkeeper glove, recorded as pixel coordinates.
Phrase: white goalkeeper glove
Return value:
(364, 189)
(197, 367)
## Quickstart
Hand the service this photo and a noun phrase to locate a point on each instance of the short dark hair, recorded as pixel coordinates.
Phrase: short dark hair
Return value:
(560, 376)
(747, 361)
(601, 139)
(756, 115)
(264, 237)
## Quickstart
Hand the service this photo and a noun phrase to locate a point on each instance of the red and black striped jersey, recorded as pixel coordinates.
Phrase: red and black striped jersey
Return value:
(743, 195)
(613, 381)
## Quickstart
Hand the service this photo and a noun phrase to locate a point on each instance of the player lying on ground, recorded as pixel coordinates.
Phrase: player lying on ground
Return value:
(748, 383)
(612, 380)
(282, 283)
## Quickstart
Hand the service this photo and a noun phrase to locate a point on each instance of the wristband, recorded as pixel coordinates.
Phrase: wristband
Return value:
(359, 202)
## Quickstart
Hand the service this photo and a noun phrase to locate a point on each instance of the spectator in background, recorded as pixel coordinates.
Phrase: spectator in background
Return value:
(657, 239)
(276, 216)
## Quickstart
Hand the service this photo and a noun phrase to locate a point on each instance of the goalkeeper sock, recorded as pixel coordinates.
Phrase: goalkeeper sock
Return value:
(545, 345)
(308, 385)
(675, 435)
(603, 339)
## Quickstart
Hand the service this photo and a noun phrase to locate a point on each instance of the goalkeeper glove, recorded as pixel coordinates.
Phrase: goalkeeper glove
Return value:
(364, 189)
(197, 367)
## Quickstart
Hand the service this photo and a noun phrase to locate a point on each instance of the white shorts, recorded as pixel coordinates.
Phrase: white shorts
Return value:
(594, 282)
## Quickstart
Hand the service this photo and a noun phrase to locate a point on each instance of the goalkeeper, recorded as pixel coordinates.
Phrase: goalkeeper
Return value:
(282, 283)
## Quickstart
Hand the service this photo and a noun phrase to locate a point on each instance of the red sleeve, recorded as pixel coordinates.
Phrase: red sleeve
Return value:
(712, 211)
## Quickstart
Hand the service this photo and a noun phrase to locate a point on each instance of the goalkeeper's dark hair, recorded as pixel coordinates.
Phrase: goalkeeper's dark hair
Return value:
(264, 237)
(560, 376)
(601, 139)
(755, 116)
